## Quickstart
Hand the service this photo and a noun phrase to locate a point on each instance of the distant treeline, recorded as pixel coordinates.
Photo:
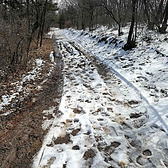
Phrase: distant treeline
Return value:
(90, 13)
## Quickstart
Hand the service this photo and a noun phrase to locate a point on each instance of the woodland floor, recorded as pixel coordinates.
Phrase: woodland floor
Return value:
(21, 132)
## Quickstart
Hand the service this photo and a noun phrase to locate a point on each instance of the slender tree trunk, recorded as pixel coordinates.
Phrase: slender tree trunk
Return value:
(83, 24)
(43, 22)
(119, 29)
(29, 31)
(146, 10)
(91, 21)
(131, 39)
(159, 15)
(112, 15)
(165, 19)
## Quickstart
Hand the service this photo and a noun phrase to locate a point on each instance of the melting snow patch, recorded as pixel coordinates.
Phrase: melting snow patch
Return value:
(39, 62)
(52, 56)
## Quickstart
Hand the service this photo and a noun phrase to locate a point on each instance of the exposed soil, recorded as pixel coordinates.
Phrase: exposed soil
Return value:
(21, 132)
(89, 154)
(61, 140)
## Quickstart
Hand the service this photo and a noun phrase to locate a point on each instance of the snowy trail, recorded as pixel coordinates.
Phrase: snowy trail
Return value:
(153, 118)
(155, 112)
(98, 125)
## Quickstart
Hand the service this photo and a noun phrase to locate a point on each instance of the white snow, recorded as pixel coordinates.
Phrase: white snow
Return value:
(32, 75)
(6, 99)
(52, 56)
(145, 70)
(39, 62)
(120, 115)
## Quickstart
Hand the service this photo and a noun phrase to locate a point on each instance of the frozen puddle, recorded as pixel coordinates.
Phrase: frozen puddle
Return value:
(101, 122)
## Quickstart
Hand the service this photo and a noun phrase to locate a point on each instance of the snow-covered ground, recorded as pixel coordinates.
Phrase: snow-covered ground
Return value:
(22, 88)
(145, 68)
(113, 113)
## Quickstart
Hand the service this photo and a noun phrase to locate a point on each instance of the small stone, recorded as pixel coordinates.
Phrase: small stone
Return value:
(76, 120)
(87, 101)
(115, 144)
(100, 119)
(89, 154)
(51, 161)
(135, 115)
(74, 132)
(76, 147)
(61, 140)
(75, 110)
(147, 152)
(64, 166)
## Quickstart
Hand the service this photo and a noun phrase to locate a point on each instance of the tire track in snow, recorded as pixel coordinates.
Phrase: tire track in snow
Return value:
(72, 122)
(99, 121)
(156, 113)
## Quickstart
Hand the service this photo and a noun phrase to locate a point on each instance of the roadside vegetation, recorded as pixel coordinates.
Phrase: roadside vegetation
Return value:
(22, 23)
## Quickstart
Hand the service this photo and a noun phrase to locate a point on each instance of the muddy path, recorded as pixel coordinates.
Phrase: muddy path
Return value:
(21, 133)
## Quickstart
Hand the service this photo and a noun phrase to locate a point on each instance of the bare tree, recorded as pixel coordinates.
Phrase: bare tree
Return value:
(19, 23)
(165, 18)
(155, 11)
(131, 40)
(117, 10)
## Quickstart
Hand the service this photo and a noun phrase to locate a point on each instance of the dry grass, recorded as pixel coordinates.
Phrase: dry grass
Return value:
(43, 51)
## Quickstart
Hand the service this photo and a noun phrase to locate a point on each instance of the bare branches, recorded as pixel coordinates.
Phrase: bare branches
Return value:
(20, 20)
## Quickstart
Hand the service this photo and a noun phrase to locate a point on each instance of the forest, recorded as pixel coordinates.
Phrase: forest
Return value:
(22, 22)
(81, 14)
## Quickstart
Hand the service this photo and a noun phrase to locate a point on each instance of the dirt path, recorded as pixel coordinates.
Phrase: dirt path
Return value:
(21, 132)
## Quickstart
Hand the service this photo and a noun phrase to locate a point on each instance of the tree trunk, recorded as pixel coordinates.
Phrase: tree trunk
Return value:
(29, 31)
(131, 39)
(83, 24)
(119, 29)
(146, 10)
(43, 22)
(112, 15)
(164, 23)
(159, 15)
